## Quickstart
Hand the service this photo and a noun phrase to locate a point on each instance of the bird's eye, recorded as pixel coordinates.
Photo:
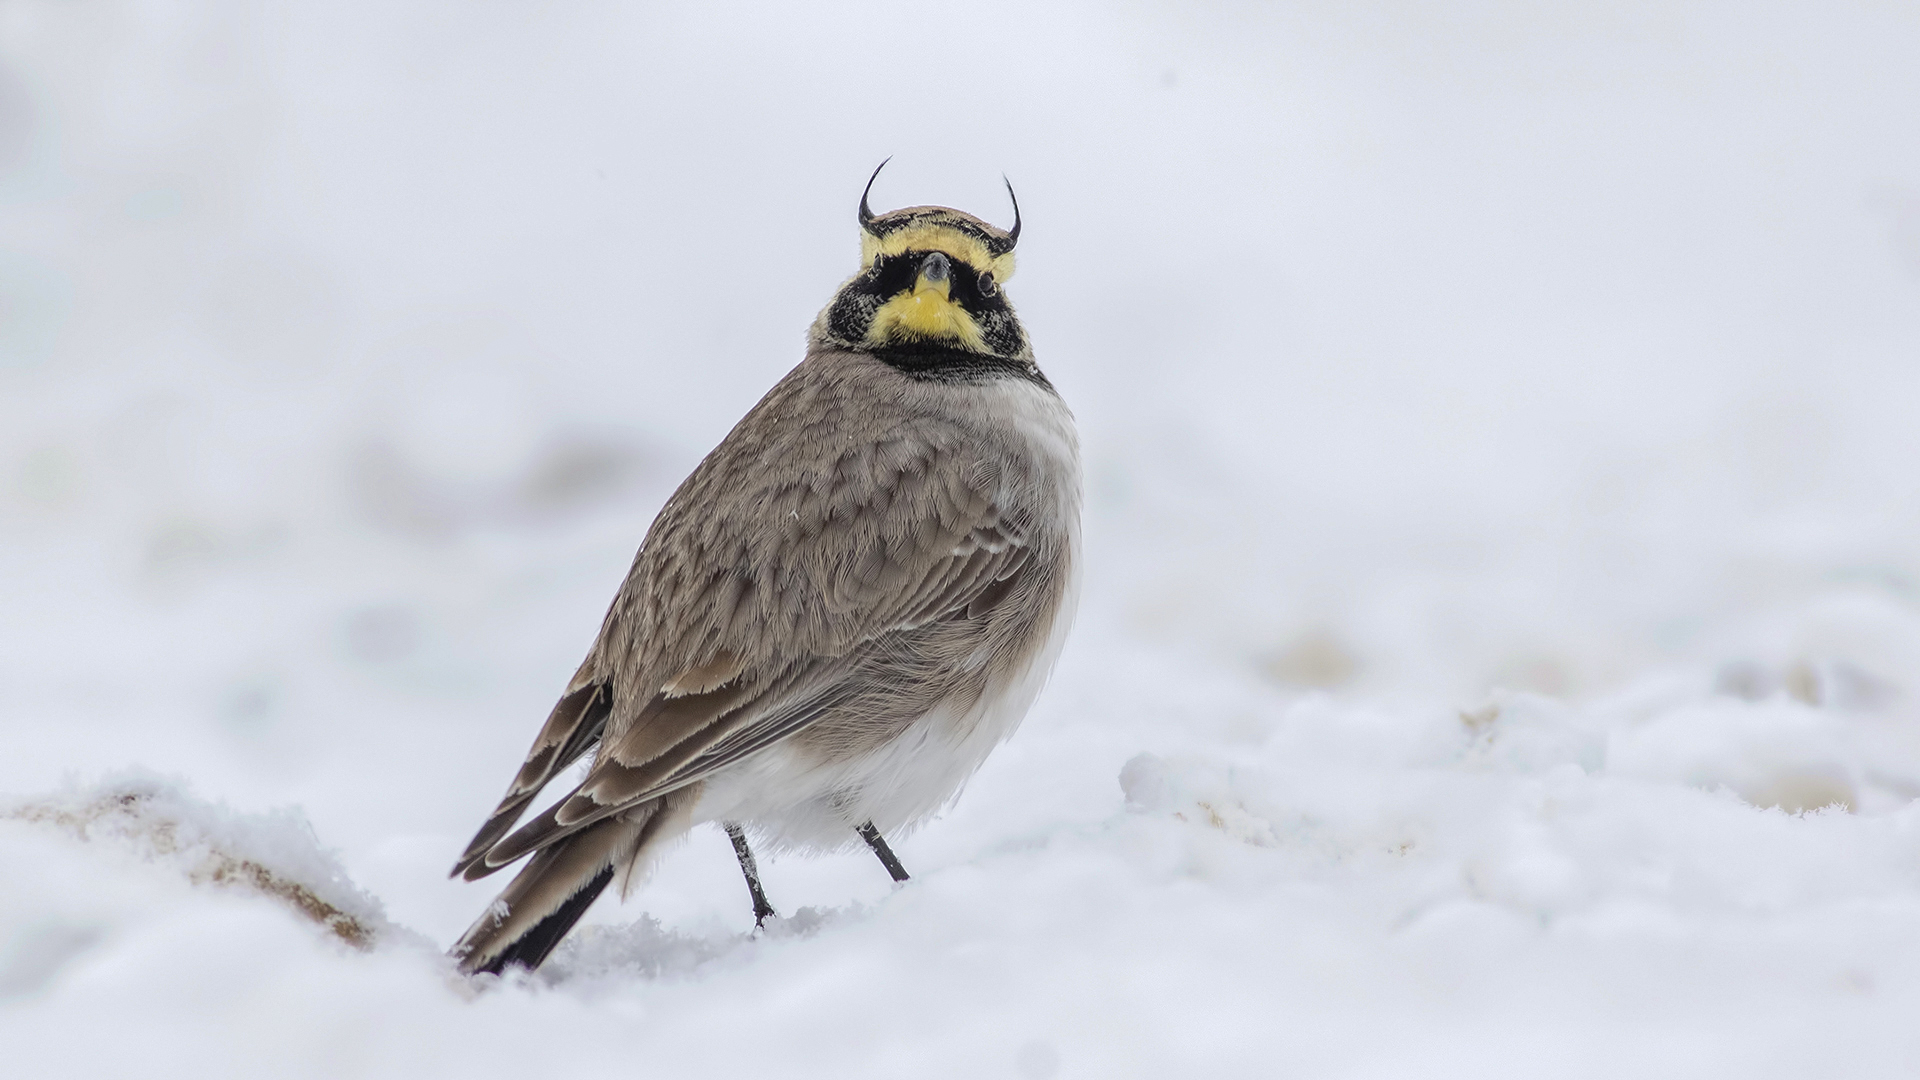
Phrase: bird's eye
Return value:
(986, 284)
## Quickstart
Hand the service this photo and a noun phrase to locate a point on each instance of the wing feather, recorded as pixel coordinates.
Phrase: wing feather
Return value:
(574, 725)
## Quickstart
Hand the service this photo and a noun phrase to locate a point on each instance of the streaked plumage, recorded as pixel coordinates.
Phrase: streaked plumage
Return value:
(836, 617)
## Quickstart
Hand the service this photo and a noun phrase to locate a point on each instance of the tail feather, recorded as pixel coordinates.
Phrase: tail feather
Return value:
(530, 949)
(557, 886)
(546, 897)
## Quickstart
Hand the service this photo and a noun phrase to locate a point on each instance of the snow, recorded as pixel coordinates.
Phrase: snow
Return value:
(1499, 632)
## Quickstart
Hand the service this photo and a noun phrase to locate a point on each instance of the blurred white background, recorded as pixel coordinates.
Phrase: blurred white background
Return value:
(1421, 351)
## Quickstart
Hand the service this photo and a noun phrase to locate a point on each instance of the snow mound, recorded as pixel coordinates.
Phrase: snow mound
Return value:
(603, 957)
(1686, 811)
(275, 854)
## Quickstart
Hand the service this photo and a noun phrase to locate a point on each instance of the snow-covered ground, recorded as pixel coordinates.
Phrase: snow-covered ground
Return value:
(1500, 654)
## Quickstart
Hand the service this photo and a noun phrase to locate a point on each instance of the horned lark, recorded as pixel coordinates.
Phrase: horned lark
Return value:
(850, 602)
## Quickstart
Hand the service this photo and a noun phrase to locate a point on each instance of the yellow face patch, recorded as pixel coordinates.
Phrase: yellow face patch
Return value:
(926, 312)
(933, 236)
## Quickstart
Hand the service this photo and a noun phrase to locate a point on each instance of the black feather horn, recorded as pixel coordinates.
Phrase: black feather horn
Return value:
(1013, 234)
(866, 214)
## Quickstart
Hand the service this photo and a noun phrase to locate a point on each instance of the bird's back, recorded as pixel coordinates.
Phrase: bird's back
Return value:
(818, 517)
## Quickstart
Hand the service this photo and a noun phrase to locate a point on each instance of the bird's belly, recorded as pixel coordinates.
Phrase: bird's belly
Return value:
(793, 798)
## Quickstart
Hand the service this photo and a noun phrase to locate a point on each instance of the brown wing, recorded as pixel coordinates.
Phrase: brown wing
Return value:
(679, 740)
(574, 726)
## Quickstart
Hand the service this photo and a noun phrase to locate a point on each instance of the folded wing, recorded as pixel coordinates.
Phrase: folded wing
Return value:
(896, 536)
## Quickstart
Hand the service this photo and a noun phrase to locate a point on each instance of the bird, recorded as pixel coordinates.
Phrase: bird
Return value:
(852, 600)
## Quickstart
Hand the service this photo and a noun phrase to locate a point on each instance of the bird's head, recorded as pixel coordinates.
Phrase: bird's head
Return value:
(930, 282)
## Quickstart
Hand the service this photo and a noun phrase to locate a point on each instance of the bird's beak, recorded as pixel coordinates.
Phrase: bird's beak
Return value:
(936, 277)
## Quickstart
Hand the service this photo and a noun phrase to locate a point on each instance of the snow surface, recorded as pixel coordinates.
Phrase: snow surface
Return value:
(1502, 619)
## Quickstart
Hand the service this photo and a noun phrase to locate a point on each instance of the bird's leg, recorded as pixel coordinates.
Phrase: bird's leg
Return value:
(762, 910)
(879, 845)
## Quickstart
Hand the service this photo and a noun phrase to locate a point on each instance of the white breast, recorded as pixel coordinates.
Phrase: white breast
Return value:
(1038, 416)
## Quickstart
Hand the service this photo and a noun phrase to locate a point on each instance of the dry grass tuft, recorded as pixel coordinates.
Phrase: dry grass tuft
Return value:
(136, 816)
